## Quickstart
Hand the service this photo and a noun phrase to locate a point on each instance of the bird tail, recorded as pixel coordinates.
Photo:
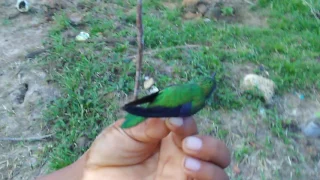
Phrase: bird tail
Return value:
(132, 120)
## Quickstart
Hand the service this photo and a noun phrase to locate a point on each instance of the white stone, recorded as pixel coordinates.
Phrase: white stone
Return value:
(148, 83)
(82, 36)
(153, 89)
(254, 82)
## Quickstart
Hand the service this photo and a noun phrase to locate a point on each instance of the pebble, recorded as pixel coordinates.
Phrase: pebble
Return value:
(148, 83)
(252, 82)
(82, 36)
(312, 128)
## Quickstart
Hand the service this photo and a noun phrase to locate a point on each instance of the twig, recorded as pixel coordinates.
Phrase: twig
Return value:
(140, 49)
(152, 52)
(249, 2)
(26, 139)
(313, 11)
(35, 53)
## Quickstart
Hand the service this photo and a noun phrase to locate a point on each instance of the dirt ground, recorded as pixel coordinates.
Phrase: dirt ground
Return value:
(25, 90)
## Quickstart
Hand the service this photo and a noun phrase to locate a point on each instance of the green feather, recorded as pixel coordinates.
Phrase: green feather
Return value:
(173, 96)
(131, 120)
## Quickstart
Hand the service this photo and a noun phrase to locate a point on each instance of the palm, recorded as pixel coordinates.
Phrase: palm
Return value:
(158, 161)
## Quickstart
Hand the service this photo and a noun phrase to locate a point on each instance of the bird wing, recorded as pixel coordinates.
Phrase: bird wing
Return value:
(174, 101)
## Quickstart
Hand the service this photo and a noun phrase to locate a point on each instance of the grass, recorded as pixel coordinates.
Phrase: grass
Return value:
(95, 77)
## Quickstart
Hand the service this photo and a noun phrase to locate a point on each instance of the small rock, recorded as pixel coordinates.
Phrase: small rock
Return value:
(153, 89)
(82, 142)
(294, 112)
(83, 36)
(206, 20)
(202, 8)
(312, 128)
(75, 18)
(252, 82)
(214, 12)
(148, 83)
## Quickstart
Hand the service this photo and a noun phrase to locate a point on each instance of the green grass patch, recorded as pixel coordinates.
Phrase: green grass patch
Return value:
(94, 76)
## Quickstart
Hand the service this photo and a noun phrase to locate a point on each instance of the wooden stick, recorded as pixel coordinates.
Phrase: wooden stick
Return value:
(140, 49)
(26, 139)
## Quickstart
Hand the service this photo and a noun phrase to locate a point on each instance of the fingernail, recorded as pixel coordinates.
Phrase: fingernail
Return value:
(163, 119)
(176, 121)
(193, 143)
(192, 164)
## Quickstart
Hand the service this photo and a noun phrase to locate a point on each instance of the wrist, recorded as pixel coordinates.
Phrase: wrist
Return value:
(72, 172)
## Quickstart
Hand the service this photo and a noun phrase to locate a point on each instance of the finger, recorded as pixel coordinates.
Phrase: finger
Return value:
(118, 147)
(151, 130)
(203, 170)
(208, 149)
(181, 128)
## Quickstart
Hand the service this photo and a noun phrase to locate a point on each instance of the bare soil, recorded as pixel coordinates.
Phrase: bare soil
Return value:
(24, 90)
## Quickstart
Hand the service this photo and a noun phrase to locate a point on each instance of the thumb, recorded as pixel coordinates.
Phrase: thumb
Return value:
(115, 146)
(150, 131)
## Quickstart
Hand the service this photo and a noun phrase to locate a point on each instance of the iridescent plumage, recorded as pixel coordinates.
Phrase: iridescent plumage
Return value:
(174, 101)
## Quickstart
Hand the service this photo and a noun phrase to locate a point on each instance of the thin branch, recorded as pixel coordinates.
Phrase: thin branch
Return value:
(313, 11)
(153, 52)
(140, 49)
(26, 139)
(249, 2)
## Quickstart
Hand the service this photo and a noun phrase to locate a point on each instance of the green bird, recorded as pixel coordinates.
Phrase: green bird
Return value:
(174, 101)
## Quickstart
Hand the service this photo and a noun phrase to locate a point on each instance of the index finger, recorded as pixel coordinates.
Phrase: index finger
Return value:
(181, 128)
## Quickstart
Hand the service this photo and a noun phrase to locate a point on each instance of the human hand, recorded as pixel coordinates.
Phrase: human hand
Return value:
(156, 149)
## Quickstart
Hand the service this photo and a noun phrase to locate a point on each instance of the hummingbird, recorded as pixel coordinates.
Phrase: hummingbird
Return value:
(174, 101)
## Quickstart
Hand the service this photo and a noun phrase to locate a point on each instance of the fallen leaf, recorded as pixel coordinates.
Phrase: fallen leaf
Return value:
(148, 83)
(236, 169)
